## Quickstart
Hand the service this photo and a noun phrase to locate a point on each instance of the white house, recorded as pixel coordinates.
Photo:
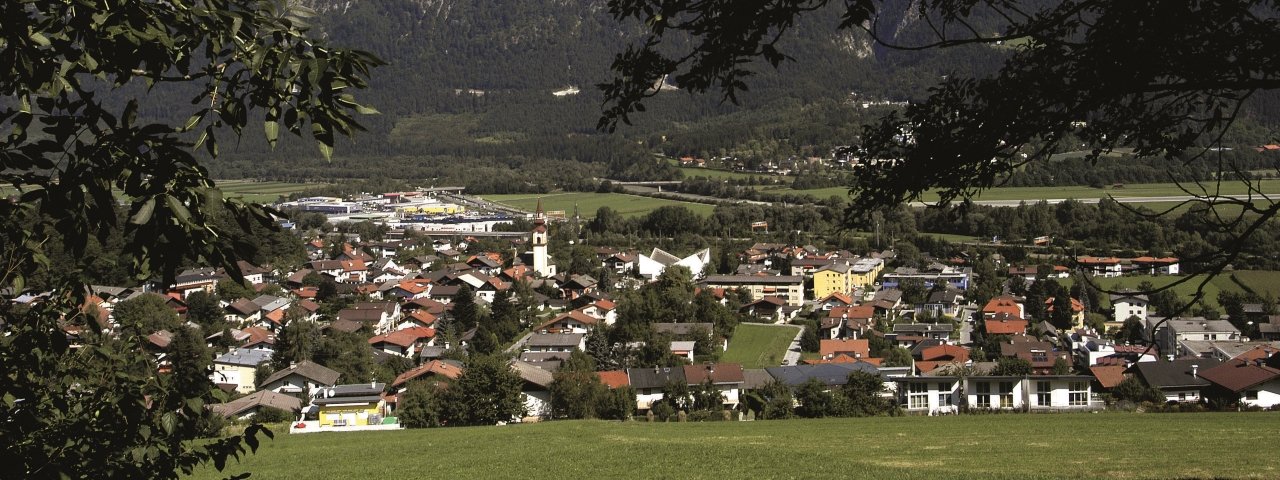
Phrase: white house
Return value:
(1035, 393)
(649, 382)
(1129, 305)
(652, 265)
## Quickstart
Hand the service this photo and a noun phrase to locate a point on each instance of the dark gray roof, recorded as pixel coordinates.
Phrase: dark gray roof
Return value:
(244, 357)
(306, 369)
(261, 398)
(555, 339)
(654, 377)
(753, 280)
(352, 393)
(1176, 373)
(755, 377)
(922, 327)
(828, 373)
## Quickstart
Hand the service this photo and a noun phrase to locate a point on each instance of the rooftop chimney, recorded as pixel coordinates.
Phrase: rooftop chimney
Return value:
(1195, 369)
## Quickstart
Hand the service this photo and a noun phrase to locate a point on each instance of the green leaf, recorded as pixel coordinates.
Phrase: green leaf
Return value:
(364, 110)
(169, 422)
(40, 39)
(326, 150)
(144, 212)
(272, 129)
(179, 210)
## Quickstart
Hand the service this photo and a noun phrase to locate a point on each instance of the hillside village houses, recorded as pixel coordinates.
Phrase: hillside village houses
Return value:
(398, 293)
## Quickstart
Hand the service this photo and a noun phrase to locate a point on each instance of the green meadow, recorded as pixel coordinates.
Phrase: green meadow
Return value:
(758, 346)
(1262, 282)
(262, 192)
(587, 203)
(1009, 446)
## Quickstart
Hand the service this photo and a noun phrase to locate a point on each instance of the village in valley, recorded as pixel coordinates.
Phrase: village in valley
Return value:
(436, 280)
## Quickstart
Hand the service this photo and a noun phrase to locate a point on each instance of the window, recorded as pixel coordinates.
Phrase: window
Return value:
(1044, 393)
(984, 394)
(1006, 394)
(339, 422)
(1251, 395)
(1078, 393)
(1182, 396)
(917, 395)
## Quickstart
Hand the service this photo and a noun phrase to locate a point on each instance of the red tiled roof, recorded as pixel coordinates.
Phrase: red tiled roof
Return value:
(423, 317)
(1239, 375)
(1108, 375)
(829, 348)
(842, 298)
(945, 352)
(575, 315)
(606, 304)
(276, 316)
(1260, 352)
(1076, 306)
(404, 337)
(719, 373)
(434, 367)
(1006, 327)
(1002, 304)
(614, 378)
(858, 311)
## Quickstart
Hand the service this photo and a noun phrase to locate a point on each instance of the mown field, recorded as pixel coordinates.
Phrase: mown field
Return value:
(262, 192)
(588, 203)
(758, 346)
(1018, 446)
(691, 172)
(1263, 282)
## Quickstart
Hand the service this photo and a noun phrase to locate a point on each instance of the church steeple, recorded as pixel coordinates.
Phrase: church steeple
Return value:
(538, 240)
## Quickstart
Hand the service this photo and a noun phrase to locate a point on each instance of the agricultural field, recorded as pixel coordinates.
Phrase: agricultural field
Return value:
(1012, 446)
(587, 203)
(716, 174)
(248, 190)
(261, 192)
(759, 346)
(1260, 281)
(1031, 194)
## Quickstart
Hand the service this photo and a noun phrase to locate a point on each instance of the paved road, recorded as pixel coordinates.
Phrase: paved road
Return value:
(516, 347)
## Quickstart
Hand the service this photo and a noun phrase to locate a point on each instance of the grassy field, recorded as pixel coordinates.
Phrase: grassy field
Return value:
(1271, 186)
(1019, 446)
(690, 172)
(261, 191)
(759, 346)
(1262, 282)
(1184, 290)
(588, 203)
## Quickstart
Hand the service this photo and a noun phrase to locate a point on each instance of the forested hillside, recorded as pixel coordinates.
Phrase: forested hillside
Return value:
(506, 88)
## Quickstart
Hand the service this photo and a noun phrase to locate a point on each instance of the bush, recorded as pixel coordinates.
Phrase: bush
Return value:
(273, 415)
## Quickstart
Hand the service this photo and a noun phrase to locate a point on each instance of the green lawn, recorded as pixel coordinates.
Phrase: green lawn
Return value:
(1184, 290)
(759, 346)
(1262, 282)
(1014, 446)
(588, 203)
(248, 190)
(261, 191)
(690, 172)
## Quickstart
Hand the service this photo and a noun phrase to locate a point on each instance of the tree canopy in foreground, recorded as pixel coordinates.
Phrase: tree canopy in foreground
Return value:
(1164, 79)
(76, 144)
